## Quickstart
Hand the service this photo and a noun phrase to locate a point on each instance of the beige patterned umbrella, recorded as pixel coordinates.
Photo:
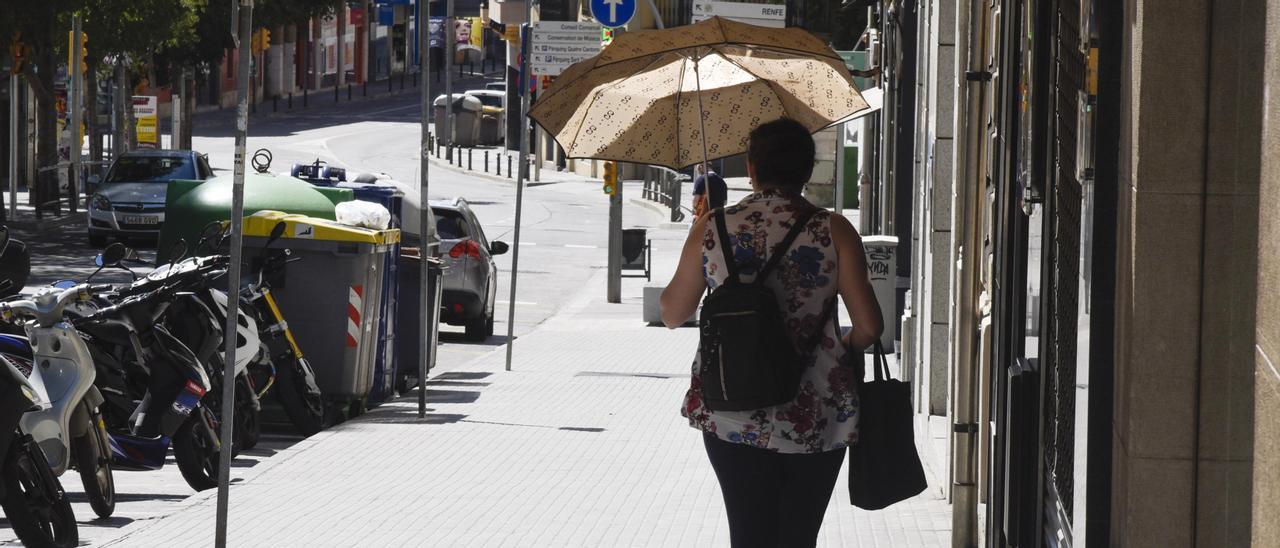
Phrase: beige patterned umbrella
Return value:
(639, 99)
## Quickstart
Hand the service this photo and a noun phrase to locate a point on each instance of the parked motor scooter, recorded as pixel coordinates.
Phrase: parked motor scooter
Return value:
(33, 500)
(154, 384)
(282, 366)
(71, 430)
(197, 317)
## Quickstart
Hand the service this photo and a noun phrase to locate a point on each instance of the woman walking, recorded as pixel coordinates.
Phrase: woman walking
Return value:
(777, 465)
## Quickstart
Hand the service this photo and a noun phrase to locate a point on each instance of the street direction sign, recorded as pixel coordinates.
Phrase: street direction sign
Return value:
(765, 15)
(558, 44)
(613, 13)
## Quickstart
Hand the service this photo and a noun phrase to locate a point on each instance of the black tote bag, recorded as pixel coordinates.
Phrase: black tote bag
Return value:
(884, 467)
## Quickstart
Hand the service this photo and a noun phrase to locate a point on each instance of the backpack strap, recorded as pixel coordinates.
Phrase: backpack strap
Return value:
(725, 244)
(800, 222)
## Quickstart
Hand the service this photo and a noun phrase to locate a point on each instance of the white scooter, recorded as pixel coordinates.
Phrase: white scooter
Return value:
(70, 430)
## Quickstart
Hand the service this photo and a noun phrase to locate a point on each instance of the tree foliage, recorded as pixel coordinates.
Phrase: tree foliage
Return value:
(274, 13)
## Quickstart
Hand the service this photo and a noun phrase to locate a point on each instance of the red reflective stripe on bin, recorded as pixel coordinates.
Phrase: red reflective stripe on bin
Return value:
(355, 301)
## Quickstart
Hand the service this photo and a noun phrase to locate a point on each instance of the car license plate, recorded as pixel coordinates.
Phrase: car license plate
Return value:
(141, 220)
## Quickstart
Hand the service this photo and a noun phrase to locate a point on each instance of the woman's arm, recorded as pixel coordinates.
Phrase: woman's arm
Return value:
(855, 285)
(680, 298)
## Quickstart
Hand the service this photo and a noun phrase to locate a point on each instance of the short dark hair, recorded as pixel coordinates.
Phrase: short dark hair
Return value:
(782, 152)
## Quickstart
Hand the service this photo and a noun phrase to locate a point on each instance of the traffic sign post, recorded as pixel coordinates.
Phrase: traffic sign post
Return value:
(558, 44)
(613, 13)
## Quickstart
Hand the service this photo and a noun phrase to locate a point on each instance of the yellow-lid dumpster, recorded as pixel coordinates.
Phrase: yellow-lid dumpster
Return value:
(330, 297)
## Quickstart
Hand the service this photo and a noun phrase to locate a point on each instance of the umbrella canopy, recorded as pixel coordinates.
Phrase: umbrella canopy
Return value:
(639, 100)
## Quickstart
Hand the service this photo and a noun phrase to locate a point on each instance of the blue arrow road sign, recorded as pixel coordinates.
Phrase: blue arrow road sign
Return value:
(613, 13)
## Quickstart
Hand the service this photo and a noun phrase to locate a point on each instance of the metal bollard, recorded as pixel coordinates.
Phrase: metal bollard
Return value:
(508, 165)
(348, 91)
(304, 97)
(469, 155)
(335, 93)
(290, 100)
(498, 166)
(431, 144)
(486, 161)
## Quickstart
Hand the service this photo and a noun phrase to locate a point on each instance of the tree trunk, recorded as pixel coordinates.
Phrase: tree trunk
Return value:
(91, 119)
(46, 187)
(188, 108)
(117, 110)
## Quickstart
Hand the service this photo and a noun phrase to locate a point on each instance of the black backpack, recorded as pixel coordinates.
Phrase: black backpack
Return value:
(748, 360)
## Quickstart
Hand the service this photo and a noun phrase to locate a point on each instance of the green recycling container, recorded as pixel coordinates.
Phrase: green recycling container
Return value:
(190, 205)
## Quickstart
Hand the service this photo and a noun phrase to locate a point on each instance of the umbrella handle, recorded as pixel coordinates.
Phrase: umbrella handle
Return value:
(702, 124)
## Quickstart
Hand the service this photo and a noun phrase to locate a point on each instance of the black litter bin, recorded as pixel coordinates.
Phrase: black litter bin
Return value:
(636, 250)
(412, 335)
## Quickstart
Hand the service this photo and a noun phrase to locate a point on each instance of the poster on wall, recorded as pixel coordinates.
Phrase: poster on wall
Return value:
(146, 112)
(436, 33)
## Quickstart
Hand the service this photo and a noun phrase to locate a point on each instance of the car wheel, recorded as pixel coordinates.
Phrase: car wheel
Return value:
(98, 240)
(480, 328)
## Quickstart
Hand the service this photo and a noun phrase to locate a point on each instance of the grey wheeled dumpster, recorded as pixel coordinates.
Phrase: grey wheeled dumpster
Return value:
(331, 297)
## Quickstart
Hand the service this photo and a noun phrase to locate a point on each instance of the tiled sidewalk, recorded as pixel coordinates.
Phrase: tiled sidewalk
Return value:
(581, 444)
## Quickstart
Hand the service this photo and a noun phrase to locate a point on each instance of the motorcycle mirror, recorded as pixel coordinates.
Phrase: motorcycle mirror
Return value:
(112, 255)
(178, 251)
(276, 232)
(210, 233)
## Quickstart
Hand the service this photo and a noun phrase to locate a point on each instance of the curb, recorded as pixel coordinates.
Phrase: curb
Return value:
(441, 162)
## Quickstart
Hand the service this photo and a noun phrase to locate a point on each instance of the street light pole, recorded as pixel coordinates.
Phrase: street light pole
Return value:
(449, 52)
(74, 106)
(245, 27)
(426, 313)
(523, 172)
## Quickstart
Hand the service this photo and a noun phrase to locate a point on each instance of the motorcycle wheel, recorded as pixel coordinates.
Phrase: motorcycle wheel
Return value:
(196, 455)
(38, 509)
(248, 428)
(304, 406)
(92, 452)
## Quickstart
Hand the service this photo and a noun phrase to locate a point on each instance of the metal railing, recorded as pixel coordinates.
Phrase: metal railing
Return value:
(666, 186)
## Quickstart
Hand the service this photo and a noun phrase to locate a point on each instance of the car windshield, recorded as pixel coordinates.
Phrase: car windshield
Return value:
(450, 225)
(146, 169)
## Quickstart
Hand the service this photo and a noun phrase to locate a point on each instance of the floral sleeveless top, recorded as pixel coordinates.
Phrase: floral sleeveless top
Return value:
(824, 414)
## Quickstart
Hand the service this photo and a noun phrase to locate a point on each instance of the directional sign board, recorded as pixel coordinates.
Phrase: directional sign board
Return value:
(765, 15)
(613, 13)
(558, 44)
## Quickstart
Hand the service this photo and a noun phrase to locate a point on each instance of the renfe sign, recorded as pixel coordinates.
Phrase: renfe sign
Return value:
(765, 15)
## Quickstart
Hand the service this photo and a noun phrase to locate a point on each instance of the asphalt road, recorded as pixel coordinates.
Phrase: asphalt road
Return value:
(563, 237)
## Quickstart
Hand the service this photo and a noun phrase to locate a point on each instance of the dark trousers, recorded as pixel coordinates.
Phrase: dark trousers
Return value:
(773, 499)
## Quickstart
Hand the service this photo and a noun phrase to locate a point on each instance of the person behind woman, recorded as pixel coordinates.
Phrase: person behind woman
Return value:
(777, 466)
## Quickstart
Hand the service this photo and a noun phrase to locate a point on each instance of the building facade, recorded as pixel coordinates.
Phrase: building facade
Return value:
(1088, 328)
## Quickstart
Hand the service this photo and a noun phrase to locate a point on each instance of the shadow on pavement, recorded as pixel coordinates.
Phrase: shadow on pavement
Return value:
(410, 416)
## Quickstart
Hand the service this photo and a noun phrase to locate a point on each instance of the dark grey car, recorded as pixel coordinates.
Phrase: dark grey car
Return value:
(129, 200)
(470, 275)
